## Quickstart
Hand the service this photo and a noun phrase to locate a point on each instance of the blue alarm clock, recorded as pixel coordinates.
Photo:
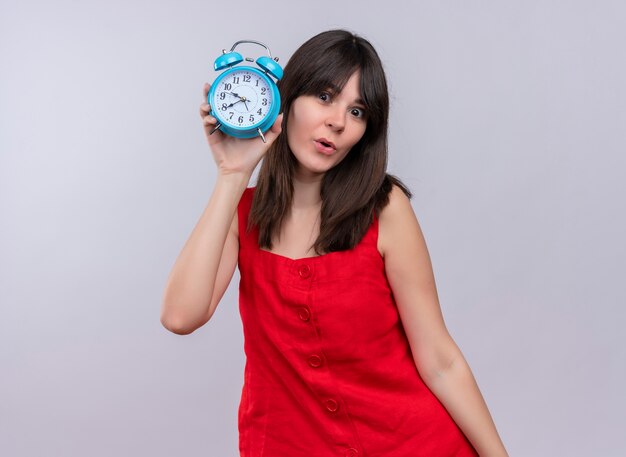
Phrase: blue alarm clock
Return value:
(244, 99)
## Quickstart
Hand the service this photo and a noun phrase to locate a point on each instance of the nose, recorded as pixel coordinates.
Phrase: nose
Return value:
(336, 118)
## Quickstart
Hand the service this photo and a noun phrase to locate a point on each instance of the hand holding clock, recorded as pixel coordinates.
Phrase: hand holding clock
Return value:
(231, 154)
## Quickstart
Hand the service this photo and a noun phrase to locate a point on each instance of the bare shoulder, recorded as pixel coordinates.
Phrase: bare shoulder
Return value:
(396, 222)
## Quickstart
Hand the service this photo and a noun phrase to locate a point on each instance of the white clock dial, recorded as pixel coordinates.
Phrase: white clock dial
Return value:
(242, 98)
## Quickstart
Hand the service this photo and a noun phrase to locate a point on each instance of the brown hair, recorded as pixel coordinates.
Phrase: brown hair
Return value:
(356, 188)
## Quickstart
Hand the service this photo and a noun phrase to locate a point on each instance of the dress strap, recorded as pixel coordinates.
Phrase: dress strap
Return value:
(243, 211)
(370, 239)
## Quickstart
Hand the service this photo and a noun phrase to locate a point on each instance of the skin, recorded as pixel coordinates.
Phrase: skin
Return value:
(207, 262)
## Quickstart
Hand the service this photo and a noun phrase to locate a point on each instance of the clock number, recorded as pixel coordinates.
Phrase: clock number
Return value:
(235, 79)
(264, 102)
(263, 90)
(231, 115)
(257, 82)
(251, 118)
(222, 95)
(227, 86)
(246, 78)
(240, 119)
(259, 112)
(224, 106)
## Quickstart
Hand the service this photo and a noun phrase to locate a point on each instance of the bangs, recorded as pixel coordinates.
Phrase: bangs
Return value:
(329, 78)
(331, 70)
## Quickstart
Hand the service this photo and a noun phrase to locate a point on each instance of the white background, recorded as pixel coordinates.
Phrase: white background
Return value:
(508, 124)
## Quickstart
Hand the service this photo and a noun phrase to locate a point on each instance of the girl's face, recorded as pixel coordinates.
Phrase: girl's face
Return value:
(322, 128)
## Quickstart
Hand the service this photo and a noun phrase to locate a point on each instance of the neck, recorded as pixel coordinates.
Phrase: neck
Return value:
(306, 192)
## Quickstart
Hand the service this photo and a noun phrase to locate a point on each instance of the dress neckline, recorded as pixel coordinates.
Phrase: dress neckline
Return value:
(313, 258)
(252, 236)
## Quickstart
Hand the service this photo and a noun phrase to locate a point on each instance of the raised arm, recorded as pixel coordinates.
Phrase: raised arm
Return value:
(208, 259)
(437, 357)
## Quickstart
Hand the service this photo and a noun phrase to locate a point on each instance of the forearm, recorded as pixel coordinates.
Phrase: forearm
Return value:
(191, 282)
(456, 388)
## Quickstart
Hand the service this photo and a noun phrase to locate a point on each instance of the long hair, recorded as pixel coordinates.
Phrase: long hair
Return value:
(357, 187)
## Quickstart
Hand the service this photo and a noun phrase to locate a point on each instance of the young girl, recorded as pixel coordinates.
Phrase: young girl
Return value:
(347, 353)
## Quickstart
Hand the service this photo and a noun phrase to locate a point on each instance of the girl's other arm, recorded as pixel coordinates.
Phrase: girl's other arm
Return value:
(437, 357)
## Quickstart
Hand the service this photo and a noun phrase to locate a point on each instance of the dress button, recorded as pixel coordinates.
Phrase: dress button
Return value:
(315, 361)
(304, 313)
(332, 405)
(351, 452)
(304, 271)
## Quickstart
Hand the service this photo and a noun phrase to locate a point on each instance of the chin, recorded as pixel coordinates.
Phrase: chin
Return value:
(312, 171)
(315, 168)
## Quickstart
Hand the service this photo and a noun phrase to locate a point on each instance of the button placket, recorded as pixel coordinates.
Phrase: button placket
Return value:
(302, 277)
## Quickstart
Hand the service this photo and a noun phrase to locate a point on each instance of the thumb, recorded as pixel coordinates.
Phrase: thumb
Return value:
(275, 130)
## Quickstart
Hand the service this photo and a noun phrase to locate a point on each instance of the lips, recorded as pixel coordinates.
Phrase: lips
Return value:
(325, 146)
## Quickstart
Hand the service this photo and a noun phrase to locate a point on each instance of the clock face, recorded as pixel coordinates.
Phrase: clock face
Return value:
(242, 98)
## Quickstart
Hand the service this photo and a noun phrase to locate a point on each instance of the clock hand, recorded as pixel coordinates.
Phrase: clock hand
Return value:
(232, 104)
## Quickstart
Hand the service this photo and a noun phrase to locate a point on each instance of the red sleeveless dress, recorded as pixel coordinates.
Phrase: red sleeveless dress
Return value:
(329, 370)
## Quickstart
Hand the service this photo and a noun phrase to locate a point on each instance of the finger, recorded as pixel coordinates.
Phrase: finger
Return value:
(205, 90)
(209, 120)
(205, 109)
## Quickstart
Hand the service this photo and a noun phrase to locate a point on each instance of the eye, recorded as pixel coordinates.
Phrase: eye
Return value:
(358, 112)
(324, 96)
